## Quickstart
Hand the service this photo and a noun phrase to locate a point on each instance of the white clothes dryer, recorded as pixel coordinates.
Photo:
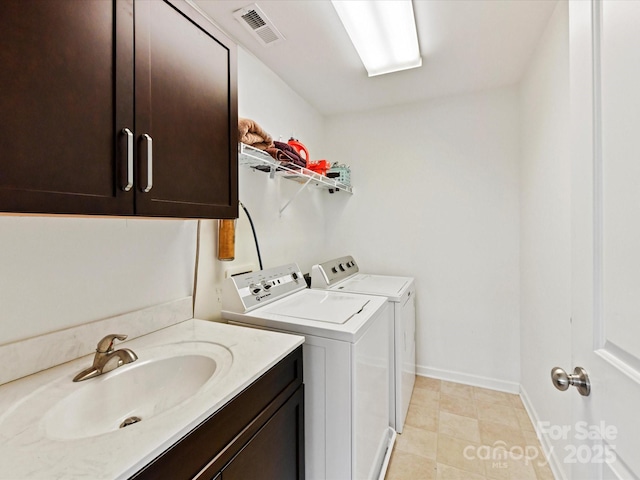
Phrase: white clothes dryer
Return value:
(346, 366)
(342, 275)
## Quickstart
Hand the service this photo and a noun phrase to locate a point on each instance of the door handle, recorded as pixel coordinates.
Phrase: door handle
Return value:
(149, 141)
(128, 182)
(579, 379)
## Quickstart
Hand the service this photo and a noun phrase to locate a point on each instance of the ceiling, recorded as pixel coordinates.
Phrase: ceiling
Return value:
(466, 45)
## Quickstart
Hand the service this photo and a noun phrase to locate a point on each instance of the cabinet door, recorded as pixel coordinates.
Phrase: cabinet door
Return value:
(277, 450)
(186, 114)
(66, 90)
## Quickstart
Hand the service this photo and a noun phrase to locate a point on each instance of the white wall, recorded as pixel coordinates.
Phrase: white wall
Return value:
(436, 198)
(298, 235)
(58, 272)
(545, 233)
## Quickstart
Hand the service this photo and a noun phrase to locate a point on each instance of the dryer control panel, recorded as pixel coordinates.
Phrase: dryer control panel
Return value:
(242, 293)
(329, 273)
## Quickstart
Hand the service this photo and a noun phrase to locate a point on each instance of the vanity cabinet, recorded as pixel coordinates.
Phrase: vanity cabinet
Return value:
(116, 107)
(257, 435)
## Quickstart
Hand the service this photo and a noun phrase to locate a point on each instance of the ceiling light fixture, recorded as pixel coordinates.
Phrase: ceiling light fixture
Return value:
(383, 32)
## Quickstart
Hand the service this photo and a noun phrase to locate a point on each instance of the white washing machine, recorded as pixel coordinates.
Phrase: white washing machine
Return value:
(342, 275)
(346, 366)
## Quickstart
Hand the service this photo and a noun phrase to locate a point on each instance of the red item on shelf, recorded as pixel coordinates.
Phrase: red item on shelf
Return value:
(300, 148)
(319, 166)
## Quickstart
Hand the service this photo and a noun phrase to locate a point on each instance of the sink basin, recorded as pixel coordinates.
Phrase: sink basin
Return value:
(134, 392)
(163, 378)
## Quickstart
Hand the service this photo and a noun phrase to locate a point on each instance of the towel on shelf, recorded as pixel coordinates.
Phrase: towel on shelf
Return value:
(285, 153)
(250, 133)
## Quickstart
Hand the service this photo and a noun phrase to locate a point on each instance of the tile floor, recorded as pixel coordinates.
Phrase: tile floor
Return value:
(456, 431)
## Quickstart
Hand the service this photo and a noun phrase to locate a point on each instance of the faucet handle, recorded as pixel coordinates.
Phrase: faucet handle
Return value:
(106, 344)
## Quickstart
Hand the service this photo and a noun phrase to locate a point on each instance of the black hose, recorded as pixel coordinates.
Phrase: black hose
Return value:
(253, 229)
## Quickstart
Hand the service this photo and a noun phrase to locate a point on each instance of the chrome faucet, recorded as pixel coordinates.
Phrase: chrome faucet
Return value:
(106, 358)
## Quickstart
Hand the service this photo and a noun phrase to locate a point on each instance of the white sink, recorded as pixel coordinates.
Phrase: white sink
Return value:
(52, 427)
(163, 378)
(133, 392)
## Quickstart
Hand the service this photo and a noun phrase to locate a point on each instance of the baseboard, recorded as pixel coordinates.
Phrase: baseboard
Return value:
(554, 462)
(467, 379)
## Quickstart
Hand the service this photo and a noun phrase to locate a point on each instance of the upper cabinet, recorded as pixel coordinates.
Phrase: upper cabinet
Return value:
(185, 101)
(117, 108)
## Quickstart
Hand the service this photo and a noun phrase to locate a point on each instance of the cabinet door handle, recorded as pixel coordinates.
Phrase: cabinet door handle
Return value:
(128, 183)
(149, 141)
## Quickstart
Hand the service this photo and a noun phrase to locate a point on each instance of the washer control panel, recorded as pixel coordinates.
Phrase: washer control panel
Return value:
(264, 286)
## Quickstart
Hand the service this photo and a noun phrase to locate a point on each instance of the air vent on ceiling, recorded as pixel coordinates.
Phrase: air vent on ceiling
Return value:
(254, 20)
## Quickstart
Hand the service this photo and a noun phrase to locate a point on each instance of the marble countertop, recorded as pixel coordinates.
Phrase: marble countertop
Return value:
(29, 451)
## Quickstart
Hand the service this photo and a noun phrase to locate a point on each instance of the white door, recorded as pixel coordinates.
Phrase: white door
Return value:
(605, 103)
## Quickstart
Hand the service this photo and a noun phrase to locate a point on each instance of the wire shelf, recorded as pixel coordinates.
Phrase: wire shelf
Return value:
(257, 159)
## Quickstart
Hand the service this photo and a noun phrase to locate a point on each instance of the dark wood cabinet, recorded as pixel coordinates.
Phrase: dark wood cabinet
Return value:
(259, 435)
(64, 86)
(185, 91)
(274, 452)
(77, 77)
